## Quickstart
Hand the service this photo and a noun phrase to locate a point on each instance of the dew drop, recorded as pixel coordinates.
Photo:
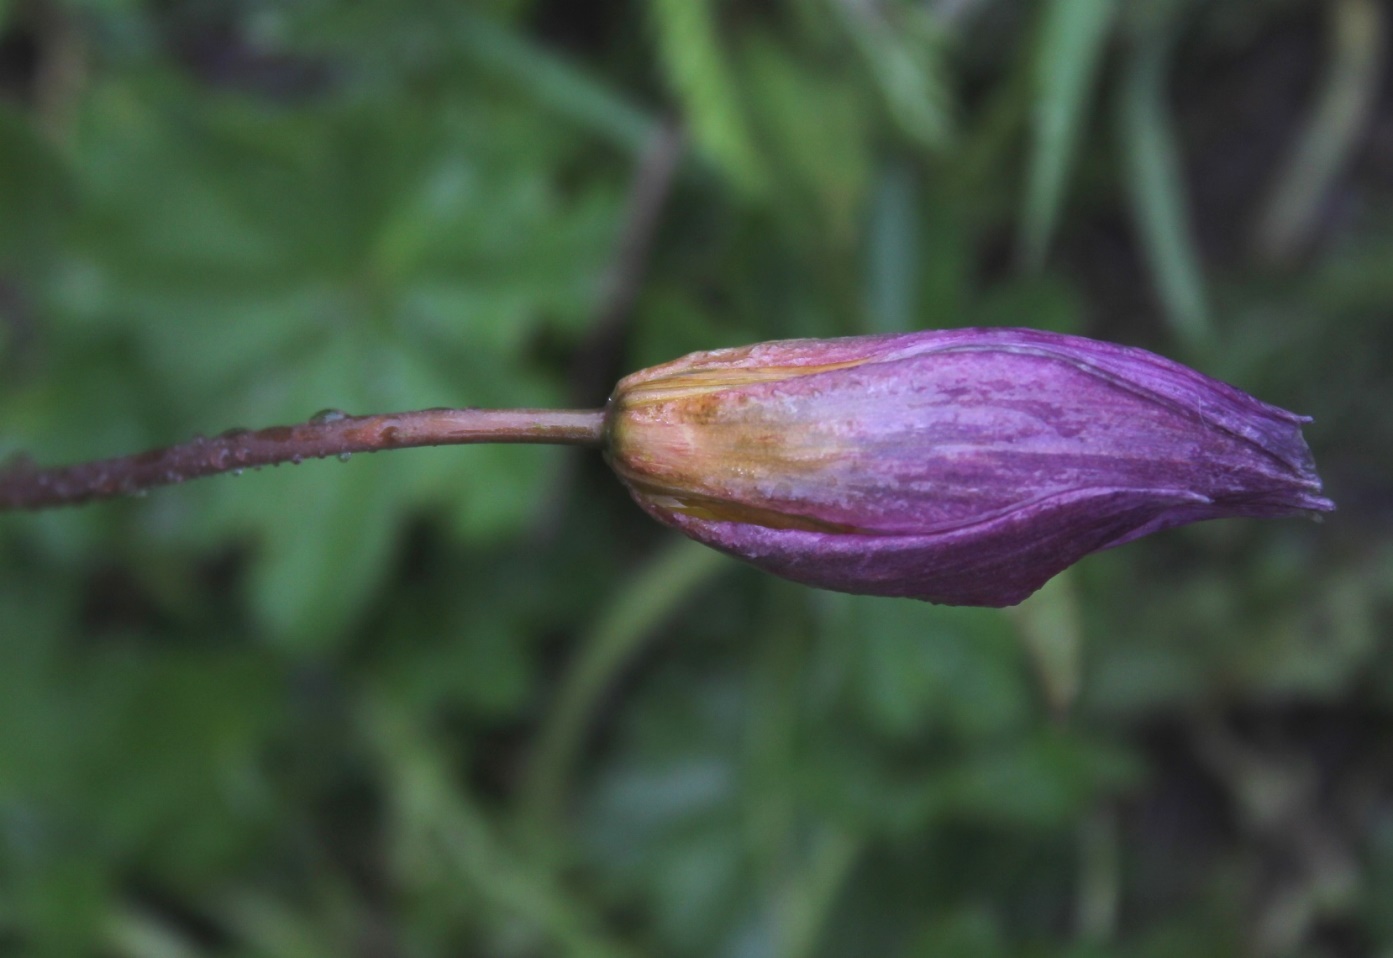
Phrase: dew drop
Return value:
(329, 415)
(345, 456)
(238, 472)
(233, 433)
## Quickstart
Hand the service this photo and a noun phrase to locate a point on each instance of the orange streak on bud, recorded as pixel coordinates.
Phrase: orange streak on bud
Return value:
(701, 382)
(689, 443)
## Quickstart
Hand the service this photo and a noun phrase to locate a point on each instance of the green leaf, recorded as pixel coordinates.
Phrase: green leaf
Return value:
(664, 816)
(440, 50)
(966, 933)
(814, 127)
(908, 666)
(698, 68)
(562, 86)
(345, 258)
(36, 192)
(462, 639)
(1073, 35)
(1040, 782)
(320, 559)
(904, 48)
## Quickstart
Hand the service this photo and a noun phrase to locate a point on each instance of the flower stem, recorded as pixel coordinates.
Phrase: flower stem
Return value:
(330, 433)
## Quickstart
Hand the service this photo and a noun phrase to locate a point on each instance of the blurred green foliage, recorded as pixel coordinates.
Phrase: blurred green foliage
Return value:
(470, 701)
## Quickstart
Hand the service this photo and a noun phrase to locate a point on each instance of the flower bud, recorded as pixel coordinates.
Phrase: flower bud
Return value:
(964, 466)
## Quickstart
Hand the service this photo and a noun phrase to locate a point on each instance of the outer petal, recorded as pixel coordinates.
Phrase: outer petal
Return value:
(964, 466)
(998, 562)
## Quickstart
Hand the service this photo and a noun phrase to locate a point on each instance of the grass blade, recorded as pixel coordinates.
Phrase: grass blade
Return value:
(668, 581)
(1072, 38)
(1346, 101)
(893, 252)
(1158, 193)
(698, 69)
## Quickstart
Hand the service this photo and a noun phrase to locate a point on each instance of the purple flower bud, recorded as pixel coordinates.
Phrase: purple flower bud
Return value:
(964, 466)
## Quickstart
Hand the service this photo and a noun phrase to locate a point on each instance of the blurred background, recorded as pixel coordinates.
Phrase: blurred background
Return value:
(470, 701)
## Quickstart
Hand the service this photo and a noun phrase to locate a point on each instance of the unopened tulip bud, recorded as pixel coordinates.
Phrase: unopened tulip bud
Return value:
(964, 467)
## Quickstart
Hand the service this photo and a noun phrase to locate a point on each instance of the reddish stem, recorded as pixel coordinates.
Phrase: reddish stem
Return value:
(25, 486)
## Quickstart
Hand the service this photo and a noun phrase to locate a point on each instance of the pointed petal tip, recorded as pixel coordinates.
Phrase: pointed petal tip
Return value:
(1316, 505)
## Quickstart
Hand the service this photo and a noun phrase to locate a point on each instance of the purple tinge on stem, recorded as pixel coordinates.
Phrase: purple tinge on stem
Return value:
(965, 467)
